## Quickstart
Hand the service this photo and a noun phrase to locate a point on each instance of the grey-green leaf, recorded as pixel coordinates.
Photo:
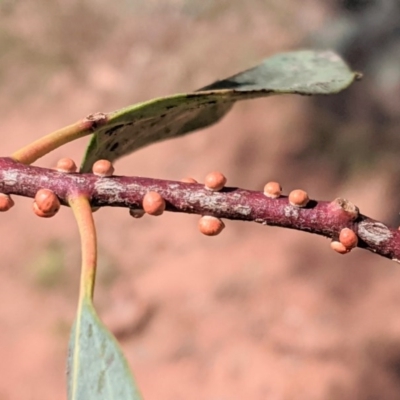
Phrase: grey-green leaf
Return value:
(302, 72)
(97, 369)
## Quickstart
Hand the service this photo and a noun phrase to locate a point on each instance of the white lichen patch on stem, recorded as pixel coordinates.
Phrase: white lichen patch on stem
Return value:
(374, 233)
(109, 187)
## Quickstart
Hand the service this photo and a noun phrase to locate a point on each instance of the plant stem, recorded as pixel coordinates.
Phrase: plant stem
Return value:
(50, 142)
(83, 214)
(323, 218)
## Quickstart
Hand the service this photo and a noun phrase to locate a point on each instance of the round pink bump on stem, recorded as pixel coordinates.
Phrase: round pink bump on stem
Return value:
(153, 203)
(298, 198)
(46, 203)
(348, 238)
(136, 212)
(210, 226)
(66, 165)
(189, 180)
(272, 190)
(6, 202)
(214, 181)
(103, 168)
(339, 247)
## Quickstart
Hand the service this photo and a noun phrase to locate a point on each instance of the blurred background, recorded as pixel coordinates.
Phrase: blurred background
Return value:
(257, 312)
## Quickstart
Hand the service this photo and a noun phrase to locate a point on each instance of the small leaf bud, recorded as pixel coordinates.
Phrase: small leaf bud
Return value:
(346, 206)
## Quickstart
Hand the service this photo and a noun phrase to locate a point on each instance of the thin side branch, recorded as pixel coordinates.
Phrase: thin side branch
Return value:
(50, 142)
(319, 217)
(84, 218)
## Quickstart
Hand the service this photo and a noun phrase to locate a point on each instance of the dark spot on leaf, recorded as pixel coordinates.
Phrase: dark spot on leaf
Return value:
(110, 131)
(227, 84)
(170, 107)
(114, 146)
(90, 331)
(163, 115)
(100, 382)
(103, 348)
(110, 360)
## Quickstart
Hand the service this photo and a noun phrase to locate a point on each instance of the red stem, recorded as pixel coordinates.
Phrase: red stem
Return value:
(319, 217)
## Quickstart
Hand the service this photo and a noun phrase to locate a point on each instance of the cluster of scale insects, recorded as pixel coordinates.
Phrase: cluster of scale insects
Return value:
(46, 204)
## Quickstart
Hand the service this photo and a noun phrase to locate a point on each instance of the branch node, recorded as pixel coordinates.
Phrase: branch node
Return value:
(345, 207)
(95, 120)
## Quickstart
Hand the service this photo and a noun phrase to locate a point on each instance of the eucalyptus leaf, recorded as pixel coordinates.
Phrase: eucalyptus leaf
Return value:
(97, 369)
(303, 72)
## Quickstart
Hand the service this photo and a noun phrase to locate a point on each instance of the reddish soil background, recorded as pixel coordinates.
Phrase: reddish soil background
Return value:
(255, 313)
